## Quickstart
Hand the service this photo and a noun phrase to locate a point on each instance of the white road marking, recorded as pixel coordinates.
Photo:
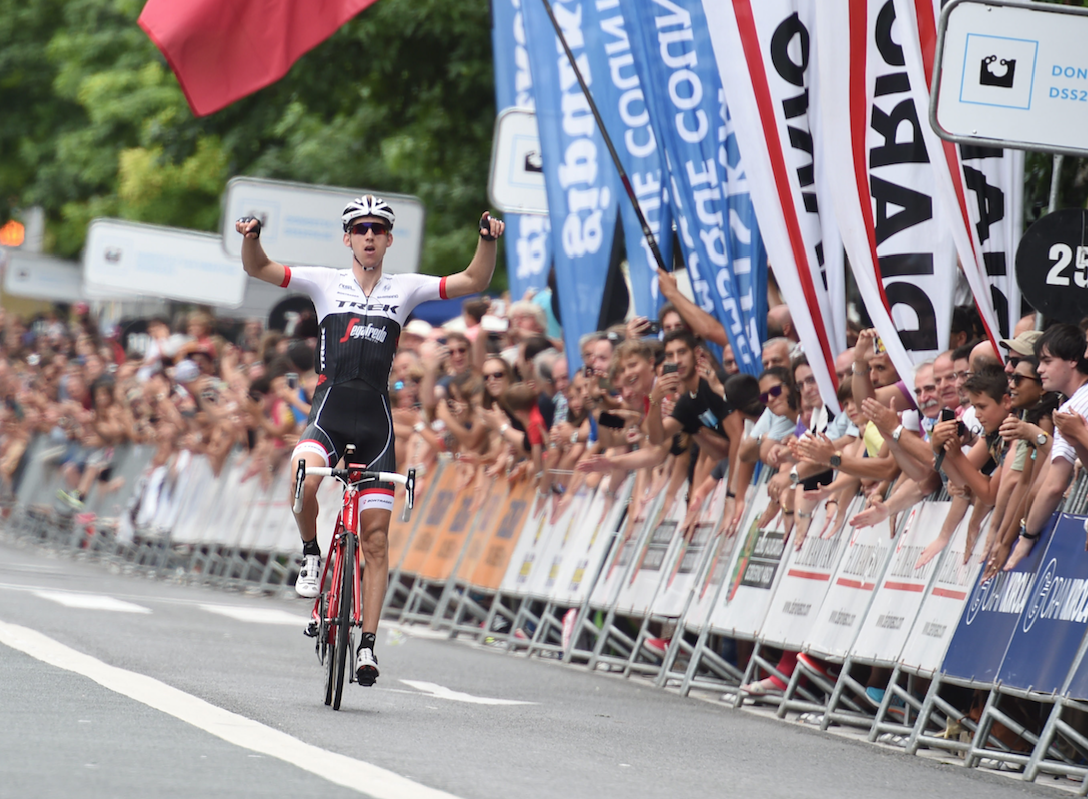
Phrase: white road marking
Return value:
(339, 769)
(441, 692)
(91, 601)
(258, 615)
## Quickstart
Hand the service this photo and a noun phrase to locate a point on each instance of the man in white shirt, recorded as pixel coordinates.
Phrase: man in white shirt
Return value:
(1062, 368)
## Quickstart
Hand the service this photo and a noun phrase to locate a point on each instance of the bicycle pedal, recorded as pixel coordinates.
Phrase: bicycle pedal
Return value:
(312, 629)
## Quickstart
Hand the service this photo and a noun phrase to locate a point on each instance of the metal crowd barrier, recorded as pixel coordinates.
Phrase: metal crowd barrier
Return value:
(920, 657)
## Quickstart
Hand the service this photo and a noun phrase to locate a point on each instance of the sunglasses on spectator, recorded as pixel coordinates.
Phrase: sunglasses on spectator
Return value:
(361, 228)
(495, 376)
(1016, 379)
(458, 351)
(1014, 361)
(773, 391)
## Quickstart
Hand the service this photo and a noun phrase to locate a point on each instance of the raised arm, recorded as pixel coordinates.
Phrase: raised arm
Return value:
(254, 259)
(477, 275)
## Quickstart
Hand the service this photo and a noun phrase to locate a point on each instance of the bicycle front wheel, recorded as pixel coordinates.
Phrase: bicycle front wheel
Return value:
(343, 621)
(328, 648)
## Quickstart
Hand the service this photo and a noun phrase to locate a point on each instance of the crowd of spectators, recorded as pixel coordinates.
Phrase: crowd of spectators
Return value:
(660, 400)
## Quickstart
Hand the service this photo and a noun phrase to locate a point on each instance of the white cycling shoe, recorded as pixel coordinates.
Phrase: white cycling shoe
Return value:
(366, 667)
(307, 584)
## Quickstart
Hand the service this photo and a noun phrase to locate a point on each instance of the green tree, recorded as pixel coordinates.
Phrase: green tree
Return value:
(400, 99)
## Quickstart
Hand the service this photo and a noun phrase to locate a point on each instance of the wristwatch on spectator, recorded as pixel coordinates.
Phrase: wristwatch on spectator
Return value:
(795, 478)
(418, 427)
(1024, 531)
(896, 433)
(835, 461)
(1041, 439)
(574, 437)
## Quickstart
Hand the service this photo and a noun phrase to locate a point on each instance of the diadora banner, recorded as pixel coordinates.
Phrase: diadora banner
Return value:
(981, 187)
(885, 192)
(528, 245)
(722, 245)
(766, 52)
(618, 94)
(581, 181)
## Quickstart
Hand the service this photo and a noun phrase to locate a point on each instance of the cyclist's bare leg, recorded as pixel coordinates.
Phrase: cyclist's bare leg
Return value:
(374, 539)
(307, 520)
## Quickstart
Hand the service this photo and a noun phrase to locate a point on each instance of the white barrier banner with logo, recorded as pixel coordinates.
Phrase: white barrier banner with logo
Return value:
(843, 609)
(903, 587)
(752, 574)
(940, 612)
(625, 553)
(578, 571)
(568, 529)
(688, 565)
(804, 584)
(525, 559)
(660, 546)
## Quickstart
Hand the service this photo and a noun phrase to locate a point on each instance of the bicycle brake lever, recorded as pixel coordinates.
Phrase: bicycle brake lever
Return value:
(300, 478)
(410, 496)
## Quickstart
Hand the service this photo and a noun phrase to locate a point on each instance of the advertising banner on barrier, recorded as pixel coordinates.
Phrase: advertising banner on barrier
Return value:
(942, 605)
(625, 553)
(688, 565)
(752, 574)
(623, 107)
(491, 516)
(723, 249)
(766, 53)
(601, 520)
(499, 550)
(1055, 618)
(451, 540)
(851, 591)
(883, 187)
(804, 584)
(528, 236)
(569, 536)
(526, 557)
(651, 566)
(400, 532)
(442, 505)
(710, 582)
(888, 623)
(988, 620)
(582, 184)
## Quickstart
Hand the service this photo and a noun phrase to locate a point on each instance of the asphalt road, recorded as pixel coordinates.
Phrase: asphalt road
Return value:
(233, 708)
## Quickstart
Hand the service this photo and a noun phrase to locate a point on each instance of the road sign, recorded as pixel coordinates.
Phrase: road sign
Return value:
(154, 261)
(1052, 265)
(1012, 74)
(516, 183)
(300, 223)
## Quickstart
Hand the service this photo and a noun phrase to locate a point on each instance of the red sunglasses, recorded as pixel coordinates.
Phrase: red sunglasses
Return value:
(361, 228)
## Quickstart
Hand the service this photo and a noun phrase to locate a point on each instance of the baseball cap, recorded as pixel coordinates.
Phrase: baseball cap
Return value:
(1024, 344)
(418, 327)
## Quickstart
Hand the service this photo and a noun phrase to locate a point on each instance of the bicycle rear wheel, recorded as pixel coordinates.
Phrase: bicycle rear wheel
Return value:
(343, 621)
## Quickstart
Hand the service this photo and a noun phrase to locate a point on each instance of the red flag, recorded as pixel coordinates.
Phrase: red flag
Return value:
(222, 51)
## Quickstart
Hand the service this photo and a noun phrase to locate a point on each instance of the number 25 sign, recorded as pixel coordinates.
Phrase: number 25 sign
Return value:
(1052, 265)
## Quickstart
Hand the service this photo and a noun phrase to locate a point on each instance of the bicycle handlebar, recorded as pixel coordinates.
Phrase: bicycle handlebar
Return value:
(354, 476)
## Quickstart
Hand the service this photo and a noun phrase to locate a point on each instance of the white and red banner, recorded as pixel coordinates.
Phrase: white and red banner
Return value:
(766, 53)
(887, 201)
(984, 185)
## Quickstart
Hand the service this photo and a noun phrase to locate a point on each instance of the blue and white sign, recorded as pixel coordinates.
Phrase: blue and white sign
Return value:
(1055, 617)
(1012, 74)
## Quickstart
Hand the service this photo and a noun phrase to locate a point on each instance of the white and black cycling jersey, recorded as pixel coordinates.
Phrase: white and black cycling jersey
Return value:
(359, 334)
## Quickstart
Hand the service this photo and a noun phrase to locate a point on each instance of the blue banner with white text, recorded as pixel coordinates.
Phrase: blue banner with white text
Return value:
(723, 250)
(582, 183)
(623, 109)
(528, 244)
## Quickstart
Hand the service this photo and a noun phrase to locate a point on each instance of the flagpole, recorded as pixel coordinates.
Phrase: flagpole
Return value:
(607, 140)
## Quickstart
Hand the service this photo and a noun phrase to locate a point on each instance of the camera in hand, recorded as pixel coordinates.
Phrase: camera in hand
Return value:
(653, 327)
(610, 420)
(670, 368)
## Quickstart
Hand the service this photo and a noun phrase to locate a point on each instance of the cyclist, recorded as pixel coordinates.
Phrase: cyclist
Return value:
(361, 312)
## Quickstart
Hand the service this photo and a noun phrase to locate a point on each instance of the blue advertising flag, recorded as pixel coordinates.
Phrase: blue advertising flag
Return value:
(581, 182)
(623, 109)
(528, 236)
(723, 250)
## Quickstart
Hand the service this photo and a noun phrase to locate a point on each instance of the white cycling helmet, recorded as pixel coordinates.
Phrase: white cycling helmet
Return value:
(367, 205)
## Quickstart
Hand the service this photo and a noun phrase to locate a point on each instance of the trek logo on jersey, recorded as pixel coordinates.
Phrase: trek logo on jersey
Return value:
(361, 306)
(367, 332)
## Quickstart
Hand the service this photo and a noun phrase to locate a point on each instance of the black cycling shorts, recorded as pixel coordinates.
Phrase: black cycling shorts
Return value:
(353, 413)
